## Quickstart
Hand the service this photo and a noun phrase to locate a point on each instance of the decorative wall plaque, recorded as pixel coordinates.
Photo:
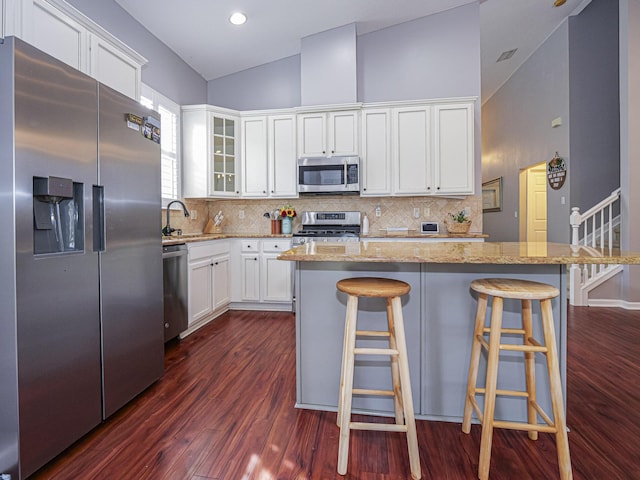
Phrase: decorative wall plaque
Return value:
(556, 172)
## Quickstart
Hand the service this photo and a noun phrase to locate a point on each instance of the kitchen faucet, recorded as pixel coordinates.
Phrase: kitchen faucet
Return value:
(168, 229)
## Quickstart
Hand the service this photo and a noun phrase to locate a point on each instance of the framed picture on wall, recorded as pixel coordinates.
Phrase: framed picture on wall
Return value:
(492, 195)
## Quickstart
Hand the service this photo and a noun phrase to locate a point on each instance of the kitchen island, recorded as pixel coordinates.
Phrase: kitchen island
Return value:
(439, 313)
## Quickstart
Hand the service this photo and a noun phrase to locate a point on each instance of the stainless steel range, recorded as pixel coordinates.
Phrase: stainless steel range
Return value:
(328, 227)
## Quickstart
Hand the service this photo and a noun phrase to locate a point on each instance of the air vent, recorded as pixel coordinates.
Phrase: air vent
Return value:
(506, 55)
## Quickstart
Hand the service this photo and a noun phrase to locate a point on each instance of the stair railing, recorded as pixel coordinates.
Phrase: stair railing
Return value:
(592, 230)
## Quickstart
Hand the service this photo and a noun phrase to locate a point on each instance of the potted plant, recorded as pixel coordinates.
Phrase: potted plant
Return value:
(458, 222)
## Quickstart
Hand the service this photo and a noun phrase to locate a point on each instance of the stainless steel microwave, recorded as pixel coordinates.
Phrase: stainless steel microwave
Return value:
(329, 175)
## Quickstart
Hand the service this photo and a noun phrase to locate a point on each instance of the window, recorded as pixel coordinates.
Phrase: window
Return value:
(169, 144)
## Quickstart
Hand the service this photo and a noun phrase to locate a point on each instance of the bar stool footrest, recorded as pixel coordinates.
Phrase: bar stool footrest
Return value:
(367, 391)
(380, 427)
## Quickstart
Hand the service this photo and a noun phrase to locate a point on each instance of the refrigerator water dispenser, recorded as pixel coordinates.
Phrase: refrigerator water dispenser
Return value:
(57, 215)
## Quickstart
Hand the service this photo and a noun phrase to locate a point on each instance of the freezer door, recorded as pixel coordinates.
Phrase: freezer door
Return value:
(58, 326)
(131, 263)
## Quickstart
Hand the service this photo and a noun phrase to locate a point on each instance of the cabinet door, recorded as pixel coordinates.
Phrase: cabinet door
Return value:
(343, 133)
(114, 68)
(312, 135)
(200, 290)
(251, 277)
(220, 274)
(282, 156)
(276, 279)
(412, 156)
(254, 157)
(223, 142)
(376, 152)
(453, 149)
(53, 32)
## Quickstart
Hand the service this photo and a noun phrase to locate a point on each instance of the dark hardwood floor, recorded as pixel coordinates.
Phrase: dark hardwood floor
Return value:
(224, 410)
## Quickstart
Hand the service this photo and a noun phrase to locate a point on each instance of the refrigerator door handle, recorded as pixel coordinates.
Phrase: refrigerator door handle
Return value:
(99, 241)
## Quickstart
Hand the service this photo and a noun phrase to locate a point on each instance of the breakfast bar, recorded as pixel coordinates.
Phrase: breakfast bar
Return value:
(438, 313)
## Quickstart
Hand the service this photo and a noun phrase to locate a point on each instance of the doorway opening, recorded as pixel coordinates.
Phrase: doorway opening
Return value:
(533, 203)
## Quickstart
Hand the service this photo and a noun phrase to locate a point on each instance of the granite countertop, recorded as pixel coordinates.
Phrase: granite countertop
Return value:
(457, 252)
(416, 234)
(202, 237)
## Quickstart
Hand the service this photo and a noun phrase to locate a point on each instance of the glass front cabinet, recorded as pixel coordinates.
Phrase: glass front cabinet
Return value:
(210, 152)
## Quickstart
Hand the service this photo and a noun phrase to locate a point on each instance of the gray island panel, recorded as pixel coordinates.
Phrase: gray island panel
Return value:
(439, 314)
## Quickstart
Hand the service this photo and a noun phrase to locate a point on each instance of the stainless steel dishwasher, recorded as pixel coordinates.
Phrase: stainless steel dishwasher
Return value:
(174, 266)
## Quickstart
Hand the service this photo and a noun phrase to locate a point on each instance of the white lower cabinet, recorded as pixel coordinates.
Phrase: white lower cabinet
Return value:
(209, 282)
(260, 280)
(276, 275)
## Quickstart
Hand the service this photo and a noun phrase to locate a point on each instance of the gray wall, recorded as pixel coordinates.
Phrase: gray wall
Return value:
(594, 103)
(165, 72)
(432, 57)
(517, 134)
(328, 67)
(268, 86)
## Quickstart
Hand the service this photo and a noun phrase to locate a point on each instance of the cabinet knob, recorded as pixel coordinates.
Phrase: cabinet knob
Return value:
(364, 189)
(271, 191)
(333, 151)
(264, 191)
(256, 259)
(275, 246)
(438, 188)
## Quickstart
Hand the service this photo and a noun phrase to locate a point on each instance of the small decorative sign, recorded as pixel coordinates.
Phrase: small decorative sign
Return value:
(556, 172)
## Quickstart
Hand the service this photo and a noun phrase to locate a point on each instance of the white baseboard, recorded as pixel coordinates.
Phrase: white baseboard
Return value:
(603, 302)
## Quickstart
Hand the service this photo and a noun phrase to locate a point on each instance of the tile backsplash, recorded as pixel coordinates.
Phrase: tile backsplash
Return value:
(394, 211)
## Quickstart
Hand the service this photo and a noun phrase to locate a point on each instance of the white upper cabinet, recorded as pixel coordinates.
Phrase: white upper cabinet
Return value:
(59, 35)
(418, 149)
(453, 144)
(282, 156)
(209, 152)
(323, 134)
(114, 68)
(376, 152)
(269, 156)
(254, 157)
(57, 28)
(412, 152)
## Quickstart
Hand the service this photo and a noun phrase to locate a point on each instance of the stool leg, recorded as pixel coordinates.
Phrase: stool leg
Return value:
(352, 312)
(405, 383)
(557, 404)
(476, 349)
(490, 389)
(529, 367)
(346, 383)
(395, 373)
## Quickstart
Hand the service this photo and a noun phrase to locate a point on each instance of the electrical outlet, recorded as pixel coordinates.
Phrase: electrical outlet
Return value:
(467, 211)
(378, 211)
(416, 212)
(240, 214)
(427, 212)
(194, 214)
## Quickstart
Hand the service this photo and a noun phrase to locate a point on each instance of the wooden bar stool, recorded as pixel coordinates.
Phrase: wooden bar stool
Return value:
(526, 291)
(391, 290)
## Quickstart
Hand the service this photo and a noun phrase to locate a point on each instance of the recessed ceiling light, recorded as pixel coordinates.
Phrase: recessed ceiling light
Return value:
(238, 18)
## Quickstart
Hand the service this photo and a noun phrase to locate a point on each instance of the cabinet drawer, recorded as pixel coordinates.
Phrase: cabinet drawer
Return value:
(276, 245)
(207, 249)
(249, 246)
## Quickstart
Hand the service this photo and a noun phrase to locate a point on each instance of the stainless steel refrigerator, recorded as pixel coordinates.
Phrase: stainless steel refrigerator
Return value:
(81, 329)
